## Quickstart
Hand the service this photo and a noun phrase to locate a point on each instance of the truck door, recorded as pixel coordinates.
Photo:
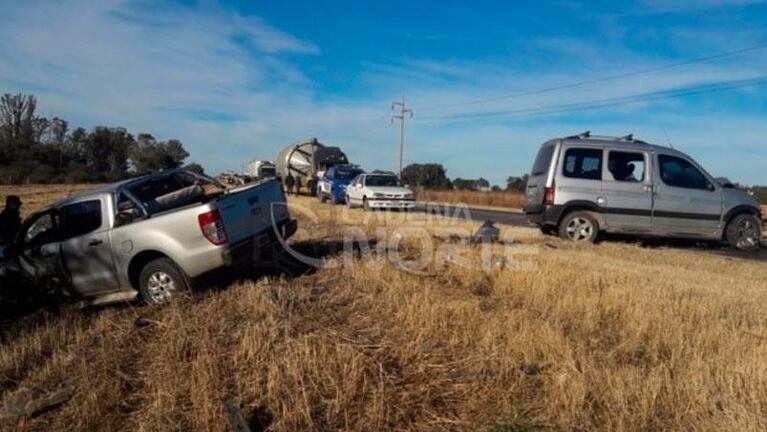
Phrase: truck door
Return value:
(686, 201)
(86, 248)
(39, 249)
(628, 191)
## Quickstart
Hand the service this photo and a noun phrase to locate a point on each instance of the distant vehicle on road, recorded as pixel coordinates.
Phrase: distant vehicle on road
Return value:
(379, 190)
(306, 161)
(333, 183)
(261, 169)
(148, 236)
(582, 185)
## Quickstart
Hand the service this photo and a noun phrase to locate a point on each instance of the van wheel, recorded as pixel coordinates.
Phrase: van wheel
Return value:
(579, 226)
(160, 281)
(744, 233)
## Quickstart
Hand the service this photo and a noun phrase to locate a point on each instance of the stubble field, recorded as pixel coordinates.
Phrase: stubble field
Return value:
(532, 334)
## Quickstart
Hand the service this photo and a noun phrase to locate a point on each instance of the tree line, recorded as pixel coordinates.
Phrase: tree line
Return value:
(434, 176)
(36, 149)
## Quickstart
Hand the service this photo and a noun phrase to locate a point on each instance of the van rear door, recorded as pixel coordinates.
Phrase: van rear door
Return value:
(538, 178)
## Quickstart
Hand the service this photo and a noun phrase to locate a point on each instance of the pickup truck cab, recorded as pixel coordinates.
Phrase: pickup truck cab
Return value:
(333, 183)
(582, 185)
(148, 236)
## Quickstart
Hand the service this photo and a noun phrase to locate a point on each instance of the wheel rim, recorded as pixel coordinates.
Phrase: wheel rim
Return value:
(160, 287)
(749, 234)
(579, 229)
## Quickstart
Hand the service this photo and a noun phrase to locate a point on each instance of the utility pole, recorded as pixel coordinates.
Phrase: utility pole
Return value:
(401, 118)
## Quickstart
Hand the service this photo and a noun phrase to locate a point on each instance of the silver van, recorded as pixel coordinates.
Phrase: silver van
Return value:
(582, 185)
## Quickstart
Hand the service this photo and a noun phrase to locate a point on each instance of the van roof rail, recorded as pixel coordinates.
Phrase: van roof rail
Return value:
(583, 135)
(587, 135)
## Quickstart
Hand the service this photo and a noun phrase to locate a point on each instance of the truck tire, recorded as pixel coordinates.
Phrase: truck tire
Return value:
(160, 281)
(365, 204)
(321, 197)
(744, 233)
(579, 226)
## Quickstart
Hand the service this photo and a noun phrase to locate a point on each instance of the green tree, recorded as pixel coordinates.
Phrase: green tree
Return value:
(430, 175)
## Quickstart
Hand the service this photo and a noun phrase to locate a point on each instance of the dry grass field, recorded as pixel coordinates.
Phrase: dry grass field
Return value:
(477, 199)
(553, 337)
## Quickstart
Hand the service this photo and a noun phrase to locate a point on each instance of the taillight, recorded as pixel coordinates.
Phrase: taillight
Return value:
(548, 196)
(212, 227)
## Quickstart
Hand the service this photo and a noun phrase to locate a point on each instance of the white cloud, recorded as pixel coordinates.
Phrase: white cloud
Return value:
(229, 87)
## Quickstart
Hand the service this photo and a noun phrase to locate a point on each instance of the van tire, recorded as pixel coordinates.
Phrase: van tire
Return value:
(744, 233)
(160, 281)
(579, 226)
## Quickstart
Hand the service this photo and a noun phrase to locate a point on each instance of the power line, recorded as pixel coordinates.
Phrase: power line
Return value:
(598, 80)
(607, 102)
(401, 118)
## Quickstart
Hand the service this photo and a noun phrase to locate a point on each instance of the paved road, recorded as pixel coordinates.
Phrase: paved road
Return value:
(468, 213)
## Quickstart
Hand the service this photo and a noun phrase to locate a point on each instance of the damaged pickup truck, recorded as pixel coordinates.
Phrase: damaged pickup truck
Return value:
(147, 237)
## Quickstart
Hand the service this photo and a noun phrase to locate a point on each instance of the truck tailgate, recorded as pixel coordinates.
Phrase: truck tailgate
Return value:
(247, 211)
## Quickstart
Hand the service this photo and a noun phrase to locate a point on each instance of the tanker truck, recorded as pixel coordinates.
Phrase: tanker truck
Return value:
(306, 161)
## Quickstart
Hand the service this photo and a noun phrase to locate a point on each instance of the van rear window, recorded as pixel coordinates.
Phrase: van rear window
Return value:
(543, 160)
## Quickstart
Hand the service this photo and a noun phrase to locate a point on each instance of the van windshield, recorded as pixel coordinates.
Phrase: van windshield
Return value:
(543, 160)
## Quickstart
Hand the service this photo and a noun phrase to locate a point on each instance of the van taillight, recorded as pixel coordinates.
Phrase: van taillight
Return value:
(212, 227)
(548, 196)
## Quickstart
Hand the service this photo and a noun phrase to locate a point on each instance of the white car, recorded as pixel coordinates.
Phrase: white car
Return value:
(379, 191)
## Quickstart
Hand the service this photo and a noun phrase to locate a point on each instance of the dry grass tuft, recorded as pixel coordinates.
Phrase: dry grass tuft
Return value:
(607, 337)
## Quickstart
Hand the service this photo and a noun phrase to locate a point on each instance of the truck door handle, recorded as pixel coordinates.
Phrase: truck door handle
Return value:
(95, 242)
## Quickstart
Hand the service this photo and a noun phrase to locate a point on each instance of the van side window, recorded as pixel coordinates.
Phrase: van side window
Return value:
(583, 163)
(626, 167)
(678, 172)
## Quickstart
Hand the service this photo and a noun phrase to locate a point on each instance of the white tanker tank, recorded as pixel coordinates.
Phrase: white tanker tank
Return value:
(305, 160)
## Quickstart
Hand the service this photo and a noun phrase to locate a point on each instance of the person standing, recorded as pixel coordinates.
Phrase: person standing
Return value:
(289, 182)
(10, 219)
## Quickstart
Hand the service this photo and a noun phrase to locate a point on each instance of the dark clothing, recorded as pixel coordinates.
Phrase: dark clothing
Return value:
(10, 223)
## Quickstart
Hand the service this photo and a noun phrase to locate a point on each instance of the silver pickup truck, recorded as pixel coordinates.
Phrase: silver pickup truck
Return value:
(149, 236)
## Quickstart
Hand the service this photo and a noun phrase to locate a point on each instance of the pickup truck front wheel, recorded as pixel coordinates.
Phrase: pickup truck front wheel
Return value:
(160, 281)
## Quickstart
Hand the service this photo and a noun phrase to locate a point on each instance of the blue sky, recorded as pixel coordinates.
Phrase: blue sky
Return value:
(239, 80)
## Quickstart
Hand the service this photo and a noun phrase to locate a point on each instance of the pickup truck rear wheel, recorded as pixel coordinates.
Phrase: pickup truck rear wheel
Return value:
(160, 281)
(744, 233)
